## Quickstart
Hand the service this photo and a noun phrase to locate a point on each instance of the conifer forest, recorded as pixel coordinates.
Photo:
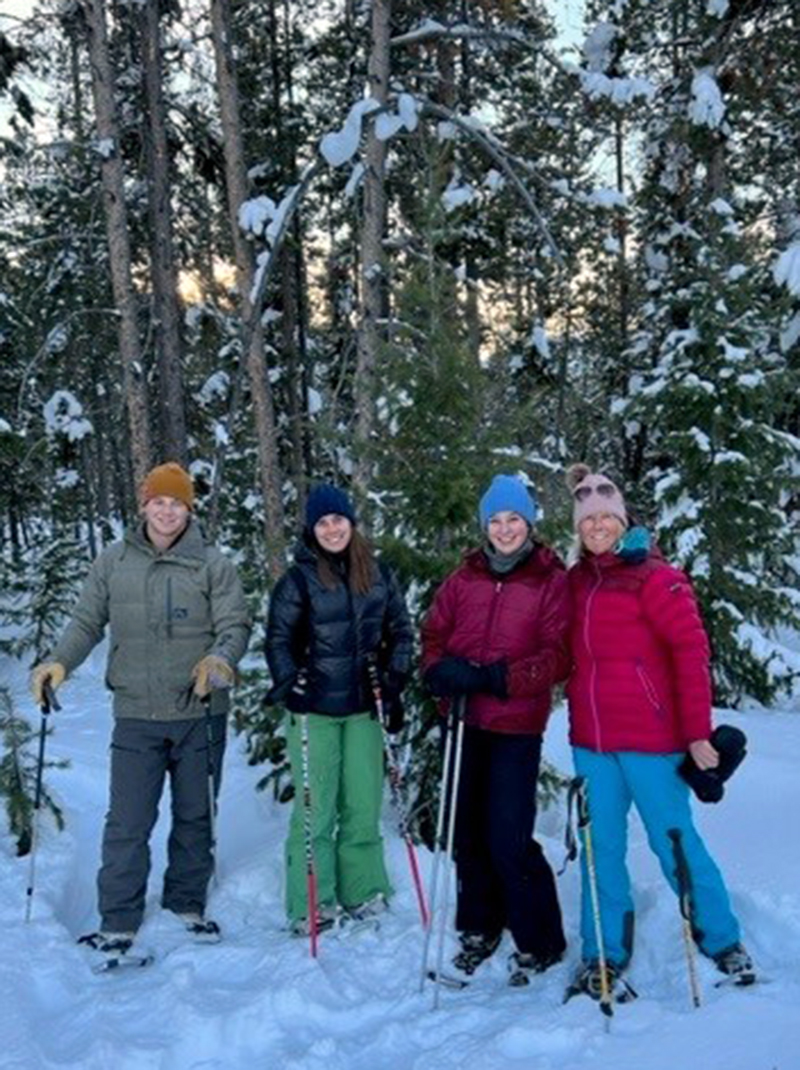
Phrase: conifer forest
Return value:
(402, 247)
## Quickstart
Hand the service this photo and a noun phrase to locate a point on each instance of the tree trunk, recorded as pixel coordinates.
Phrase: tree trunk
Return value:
(166, 316)
(372, 280)
(134, 383)
(236, 177)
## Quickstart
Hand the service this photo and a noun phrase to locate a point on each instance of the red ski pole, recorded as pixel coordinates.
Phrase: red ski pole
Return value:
(395, 782)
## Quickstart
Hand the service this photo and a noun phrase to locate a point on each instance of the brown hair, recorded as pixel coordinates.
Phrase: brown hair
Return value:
(362, 568)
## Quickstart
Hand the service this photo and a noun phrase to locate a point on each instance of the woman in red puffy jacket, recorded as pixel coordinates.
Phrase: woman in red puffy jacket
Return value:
(639, 698)
(496, 633)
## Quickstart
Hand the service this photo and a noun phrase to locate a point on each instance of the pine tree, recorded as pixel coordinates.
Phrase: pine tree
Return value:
(707, 375)
(18, 775)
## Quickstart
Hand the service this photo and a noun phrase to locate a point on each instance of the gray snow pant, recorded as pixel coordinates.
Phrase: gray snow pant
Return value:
(142, 754)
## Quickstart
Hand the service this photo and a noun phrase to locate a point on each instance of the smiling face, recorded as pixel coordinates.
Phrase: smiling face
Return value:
(165, 519)
(507, 531)
(600, 532)
(333, 532)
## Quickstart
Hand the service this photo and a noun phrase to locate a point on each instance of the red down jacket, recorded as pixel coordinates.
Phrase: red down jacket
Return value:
(640, 678)
(522, 617)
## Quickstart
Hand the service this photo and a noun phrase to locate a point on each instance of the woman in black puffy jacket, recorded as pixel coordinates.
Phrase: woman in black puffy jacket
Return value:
(333, 615)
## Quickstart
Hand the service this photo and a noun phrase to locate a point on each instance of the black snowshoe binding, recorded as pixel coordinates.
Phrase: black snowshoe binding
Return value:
(522, 965)
(737, 966)
(113, 951)
(202, 930)
(589, 982)
(475, 949)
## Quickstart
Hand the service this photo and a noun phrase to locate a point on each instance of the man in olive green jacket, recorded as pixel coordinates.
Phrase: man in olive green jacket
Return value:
(178, 625)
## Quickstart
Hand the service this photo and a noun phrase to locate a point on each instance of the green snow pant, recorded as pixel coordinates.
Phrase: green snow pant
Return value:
(345, 762)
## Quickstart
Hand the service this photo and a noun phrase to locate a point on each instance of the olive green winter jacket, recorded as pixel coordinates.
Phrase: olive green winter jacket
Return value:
(166, 610)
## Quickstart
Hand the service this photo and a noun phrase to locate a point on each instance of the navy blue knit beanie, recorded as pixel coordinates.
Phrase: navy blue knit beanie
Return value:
(508, 493)
(326, 499)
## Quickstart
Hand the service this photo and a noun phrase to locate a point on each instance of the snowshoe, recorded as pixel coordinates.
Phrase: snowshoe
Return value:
(588, 982)
(737, 966)
(475, 949)
(369, 910)
(448, 980)
(522, 965)
(327, 918)
(364, 917)
(202, 930)
(114, 951)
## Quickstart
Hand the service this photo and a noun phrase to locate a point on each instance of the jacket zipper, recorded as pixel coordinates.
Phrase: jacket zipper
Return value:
(169, 607)
(649, 688)
(593, 673)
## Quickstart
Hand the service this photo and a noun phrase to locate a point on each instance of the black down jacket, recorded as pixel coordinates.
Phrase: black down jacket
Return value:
(320, 641)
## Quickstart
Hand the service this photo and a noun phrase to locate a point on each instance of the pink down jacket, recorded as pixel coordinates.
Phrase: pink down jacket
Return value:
(522, 618)
(640, 678)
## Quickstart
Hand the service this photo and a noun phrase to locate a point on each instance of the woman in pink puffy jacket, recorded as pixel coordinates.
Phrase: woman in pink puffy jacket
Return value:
(639, 699)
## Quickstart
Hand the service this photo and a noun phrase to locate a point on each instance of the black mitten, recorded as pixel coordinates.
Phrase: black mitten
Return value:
(393, 711)
(495, 679)
(290, 693)
(458, 676)
(709, 784)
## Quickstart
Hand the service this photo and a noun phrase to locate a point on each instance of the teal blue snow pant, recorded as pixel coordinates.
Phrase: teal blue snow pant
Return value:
(345, 758)
(651, 782)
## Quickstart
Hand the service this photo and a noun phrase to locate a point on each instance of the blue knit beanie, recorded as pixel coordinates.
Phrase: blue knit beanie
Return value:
(328, 499)
(511, 494)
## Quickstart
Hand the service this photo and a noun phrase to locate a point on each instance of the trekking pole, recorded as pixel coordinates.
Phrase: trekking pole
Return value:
(395, 781)
(684, 880)
(585, 828)
(311, 876)
(49, 702)
(437, 848)
(458, 705)
(212, 793)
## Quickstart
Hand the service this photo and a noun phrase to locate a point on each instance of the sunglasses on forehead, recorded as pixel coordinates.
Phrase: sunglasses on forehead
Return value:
(605, 490)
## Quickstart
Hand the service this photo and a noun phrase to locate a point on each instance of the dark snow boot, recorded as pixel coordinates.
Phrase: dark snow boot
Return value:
(736, 964)
(588, 981)
(113, 951)
(203, 930)
(522, 965)
(475, 949)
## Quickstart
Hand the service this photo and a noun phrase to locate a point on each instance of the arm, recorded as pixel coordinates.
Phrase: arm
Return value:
(437, 625)
(671, 610)
(446, 674)
(286, 614)
(229, 614)
(89, 618)
(398, 633)
(551, 662)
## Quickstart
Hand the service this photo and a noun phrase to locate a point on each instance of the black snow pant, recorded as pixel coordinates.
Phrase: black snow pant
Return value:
(504, 879)
(143, 754)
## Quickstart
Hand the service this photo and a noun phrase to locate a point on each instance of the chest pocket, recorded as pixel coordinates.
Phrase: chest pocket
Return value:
(187, 605)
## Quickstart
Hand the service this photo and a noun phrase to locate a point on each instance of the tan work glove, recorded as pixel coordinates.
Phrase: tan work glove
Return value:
(211, 673)
(52, 671)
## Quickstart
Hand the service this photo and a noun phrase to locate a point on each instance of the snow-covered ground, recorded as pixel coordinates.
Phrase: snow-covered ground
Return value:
(259, 1000)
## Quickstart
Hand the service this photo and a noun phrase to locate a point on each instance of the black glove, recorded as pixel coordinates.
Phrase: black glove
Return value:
(391, 698)
(290, 693)
(458, 676)
(709, 784)
(393, 712)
